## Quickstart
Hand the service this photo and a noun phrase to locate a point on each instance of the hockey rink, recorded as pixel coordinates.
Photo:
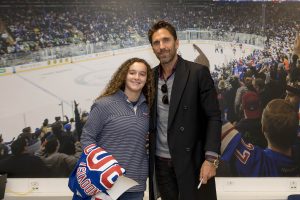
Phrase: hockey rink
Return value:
(28, 98)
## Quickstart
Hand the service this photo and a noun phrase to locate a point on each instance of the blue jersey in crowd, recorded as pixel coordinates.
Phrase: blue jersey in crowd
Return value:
(252, 161)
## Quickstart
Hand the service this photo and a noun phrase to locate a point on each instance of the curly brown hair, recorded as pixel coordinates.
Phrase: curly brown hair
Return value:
(118, 79)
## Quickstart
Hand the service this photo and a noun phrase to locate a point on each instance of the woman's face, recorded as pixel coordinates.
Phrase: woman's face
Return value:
(136, 77)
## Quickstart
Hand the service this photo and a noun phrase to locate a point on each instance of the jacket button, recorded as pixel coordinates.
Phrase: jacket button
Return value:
(181, 128)
(185, 107)
(187, 149)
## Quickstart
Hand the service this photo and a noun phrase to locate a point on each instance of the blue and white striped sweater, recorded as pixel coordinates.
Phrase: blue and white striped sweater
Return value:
(120, 129)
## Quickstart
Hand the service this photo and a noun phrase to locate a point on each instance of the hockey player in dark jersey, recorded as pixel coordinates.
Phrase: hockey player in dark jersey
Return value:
(279, 159)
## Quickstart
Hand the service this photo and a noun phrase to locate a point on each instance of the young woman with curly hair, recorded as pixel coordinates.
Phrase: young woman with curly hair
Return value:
(119, 121)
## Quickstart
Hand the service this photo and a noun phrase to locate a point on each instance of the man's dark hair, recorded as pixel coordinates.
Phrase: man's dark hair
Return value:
(57, 127)
(18, 146)
(51, 144)
(161, 24)
(46, 122)
(26, 130)
(295, 58)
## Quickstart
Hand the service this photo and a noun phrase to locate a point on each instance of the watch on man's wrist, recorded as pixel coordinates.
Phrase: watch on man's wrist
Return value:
(213, 160)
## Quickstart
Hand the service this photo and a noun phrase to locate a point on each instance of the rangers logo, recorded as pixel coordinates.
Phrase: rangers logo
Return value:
(95, 172)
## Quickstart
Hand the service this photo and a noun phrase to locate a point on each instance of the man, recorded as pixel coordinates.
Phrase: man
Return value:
(250, 124)
(21, 164)
(185, 125)
(280, 158)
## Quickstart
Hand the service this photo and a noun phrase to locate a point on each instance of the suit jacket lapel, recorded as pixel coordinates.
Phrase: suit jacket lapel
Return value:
(180, 80)
(154, 107)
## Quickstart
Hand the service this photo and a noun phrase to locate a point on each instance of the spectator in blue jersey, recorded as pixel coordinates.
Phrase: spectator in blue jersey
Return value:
(279, 159)
(250, 125)
(185, 127)
(119, 121)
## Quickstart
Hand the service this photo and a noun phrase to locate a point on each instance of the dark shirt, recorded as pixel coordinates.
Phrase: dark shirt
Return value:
(23, 166)
(252, 132)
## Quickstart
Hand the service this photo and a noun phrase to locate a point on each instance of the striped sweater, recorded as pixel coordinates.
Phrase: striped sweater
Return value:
(121, 128)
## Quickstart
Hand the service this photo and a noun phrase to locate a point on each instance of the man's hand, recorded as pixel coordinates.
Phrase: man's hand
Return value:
(207, 171)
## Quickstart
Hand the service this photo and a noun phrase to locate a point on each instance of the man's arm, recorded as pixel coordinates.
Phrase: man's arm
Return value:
(201, 58)
(210, 105)
(212, 112)
(78, 126)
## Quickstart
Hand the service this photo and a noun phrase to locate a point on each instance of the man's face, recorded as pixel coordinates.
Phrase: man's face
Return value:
(164, 46)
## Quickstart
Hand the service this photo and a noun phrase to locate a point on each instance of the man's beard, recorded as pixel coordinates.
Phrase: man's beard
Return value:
(167, 57)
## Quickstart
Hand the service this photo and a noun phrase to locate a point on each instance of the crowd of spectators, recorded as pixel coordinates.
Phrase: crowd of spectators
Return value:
(260, 96)
(34, 28)
(51, 150)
